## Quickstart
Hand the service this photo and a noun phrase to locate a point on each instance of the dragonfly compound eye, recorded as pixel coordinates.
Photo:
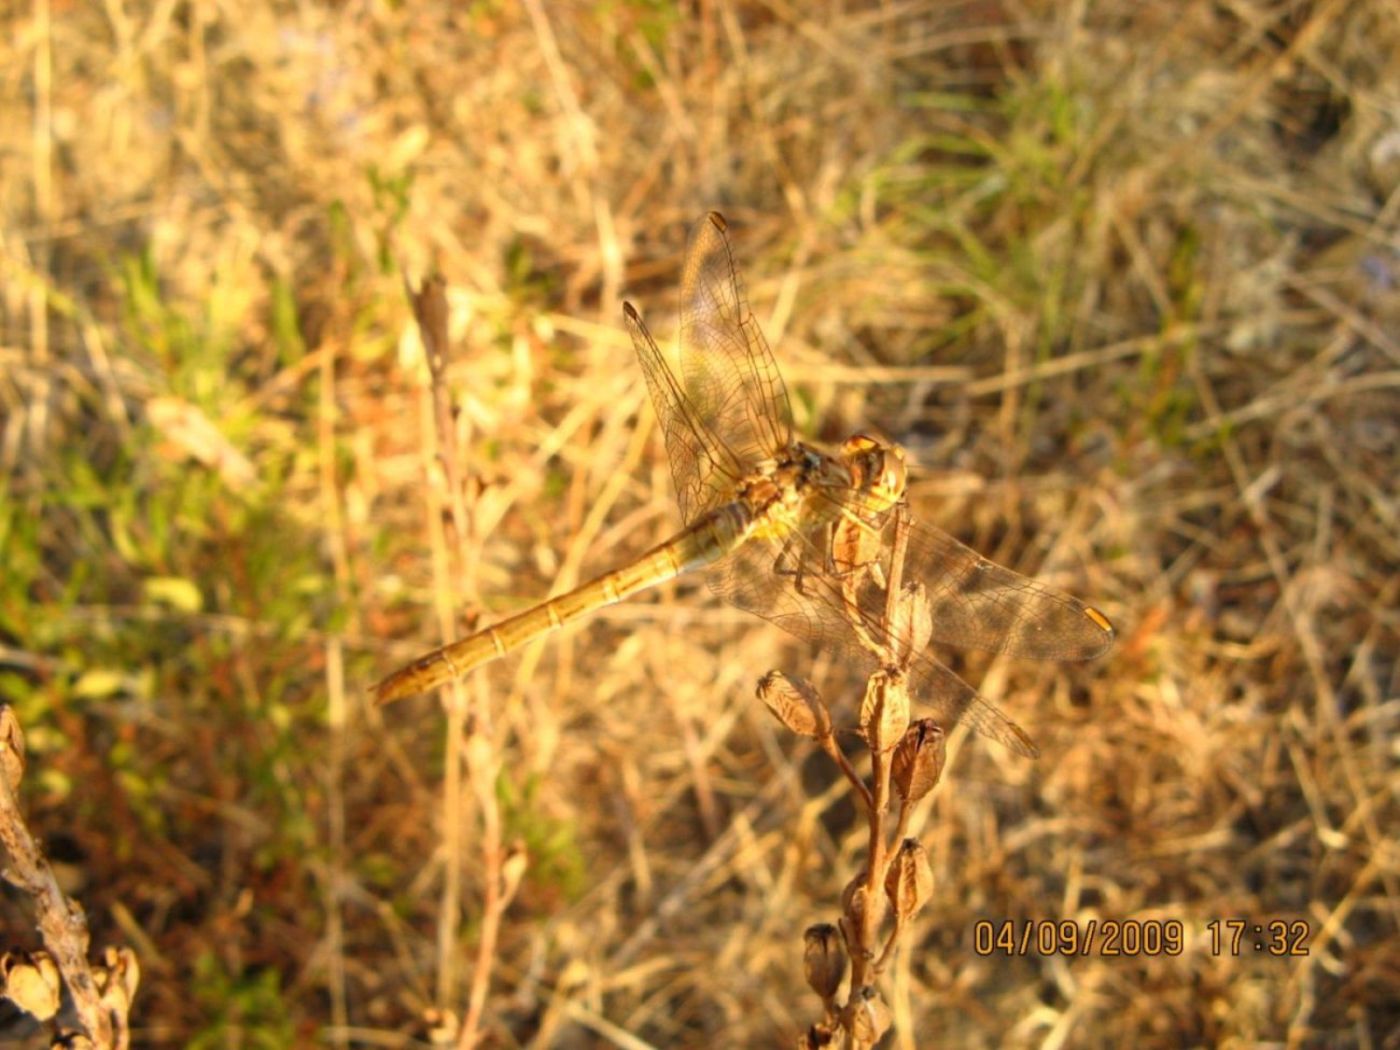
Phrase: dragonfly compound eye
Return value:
(877, 467)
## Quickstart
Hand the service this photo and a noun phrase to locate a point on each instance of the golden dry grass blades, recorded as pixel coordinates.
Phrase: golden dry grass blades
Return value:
(1120, 277)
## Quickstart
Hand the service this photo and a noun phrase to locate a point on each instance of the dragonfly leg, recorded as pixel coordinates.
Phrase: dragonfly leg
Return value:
(831, 568)
(841, 566)
(803, 579)
(797, 573)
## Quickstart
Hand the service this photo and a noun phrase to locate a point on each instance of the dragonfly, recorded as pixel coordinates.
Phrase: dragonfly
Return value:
(790, 532)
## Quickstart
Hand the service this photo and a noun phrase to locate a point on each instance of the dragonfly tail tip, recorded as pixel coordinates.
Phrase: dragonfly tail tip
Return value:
(387, 691)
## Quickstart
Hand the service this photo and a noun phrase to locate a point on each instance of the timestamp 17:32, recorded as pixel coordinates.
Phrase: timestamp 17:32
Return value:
(1131, 937)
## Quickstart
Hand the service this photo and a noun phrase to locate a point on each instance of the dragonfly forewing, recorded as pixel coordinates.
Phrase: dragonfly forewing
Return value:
(727, 409)
(727, 368)
(702, 466)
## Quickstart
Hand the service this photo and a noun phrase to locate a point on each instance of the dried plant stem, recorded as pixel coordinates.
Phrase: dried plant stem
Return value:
(450, 904)
(877, 801)
(100, 1001)
(901, 827)
(868, 927)
(335, 842)
(833, 749)
(481, 758)
(470, 736)
(905, 758)
(337, 708)
(891, 942)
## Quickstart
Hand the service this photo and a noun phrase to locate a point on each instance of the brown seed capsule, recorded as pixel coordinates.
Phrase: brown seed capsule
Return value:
(913, 620)
(909, 881)
(120, 974)
(11, 747)
(823, 959)
(796, 704)
(884, 713)
(918, 760)
(848, 894)
(31, 982)
(856, 902)
(868, 1017)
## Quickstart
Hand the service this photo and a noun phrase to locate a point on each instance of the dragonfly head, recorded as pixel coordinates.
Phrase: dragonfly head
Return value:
(877, 468)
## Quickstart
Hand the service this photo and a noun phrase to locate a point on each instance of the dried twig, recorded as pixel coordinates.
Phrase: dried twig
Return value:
(99, 997)
(905, 757)
(470, 738)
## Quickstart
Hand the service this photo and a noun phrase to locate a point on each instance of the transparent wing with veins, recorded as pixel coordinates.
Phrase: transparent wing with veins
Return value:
(727, 410)
(701, 464)
(975, 604)
(814, 614)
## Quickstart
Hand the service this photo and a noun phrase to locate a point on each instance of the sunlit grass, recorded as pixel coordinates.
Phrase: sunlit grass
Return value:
(1160, 248)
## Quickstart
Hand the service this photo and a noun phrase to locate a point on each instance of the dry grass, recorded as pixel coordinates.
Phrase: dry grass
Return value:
(1123, 277)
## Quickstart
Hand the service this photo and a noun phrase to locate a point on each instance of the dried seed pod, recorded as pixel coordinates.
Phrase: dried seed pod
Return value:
(884, 713)
(909, 881)
(823, 959)
(32, 983)
(856, 902)
(918, 760)
(848, 894)
(913, 620)
(796, 704)
(119, 975)
(11, 747)
(867, 1017)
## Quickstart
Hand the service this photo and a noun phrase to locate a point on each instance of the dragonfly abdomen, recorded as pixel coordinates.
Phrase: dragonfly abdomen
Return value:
(710, 538)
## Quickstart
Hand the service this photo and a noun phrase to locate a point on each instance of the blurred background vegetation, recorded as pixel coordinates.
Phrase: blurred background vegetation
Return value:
(1121, 276)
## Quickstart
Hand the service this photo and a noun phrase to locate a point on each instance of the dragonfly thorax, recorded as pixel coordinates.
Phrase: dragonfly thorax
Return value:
(783, 493)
